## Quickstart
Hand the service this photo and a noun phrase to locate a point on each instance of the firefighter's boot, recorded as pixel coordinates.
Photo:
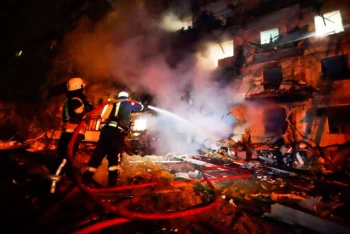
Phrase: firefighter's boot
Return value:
(112, 178)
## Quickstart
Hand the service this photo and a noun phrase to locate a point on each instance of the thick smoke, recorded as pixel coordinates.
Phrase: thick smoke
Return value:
(132, 48)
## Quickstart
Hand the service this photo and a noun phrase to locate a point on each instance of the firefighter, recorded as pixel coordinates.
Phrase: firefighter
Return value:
(117, 123)
(74, 111)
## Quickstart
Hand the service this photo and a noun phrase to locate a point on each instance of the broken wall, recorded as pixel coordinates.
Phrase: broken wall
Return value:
(303, 68)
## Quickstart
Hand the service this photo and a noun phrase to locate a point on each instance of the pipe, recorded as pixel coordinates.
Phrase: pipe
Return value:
(120, 208)
(58, 172)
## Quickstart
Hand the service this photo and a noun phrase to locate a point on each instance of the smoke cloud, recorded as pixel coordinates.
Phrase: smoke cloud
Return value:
(132, 48)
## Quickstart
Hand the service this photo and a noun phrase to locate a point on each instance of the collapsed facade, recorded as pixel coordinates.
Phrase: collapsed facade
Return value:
(290, 62)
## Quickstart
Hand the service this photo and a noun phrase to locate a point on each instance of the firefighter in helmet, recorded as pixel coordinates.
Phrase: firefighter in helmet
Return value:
(74, 111)
(116, 120)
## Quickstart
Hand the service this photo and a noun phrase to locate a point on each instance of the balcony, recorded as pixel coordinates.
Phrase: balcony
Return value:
(277, 55)
(288, 91)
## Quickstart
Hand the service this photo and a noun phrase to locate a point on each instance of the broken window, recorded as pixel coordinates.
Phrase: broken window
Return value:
(273, 77)
(275, 121)
(269, 36)
(338, 119)
(329, 23)
(336, 67)
(221, 50)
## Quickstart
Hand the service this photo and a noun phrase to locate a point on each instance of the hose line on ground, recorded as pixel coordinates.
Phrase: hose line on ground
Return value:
(127, 214)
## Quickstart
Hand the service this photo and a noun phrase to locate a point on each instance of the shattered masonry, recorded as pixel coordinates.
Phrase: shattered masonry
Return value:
(302, 78)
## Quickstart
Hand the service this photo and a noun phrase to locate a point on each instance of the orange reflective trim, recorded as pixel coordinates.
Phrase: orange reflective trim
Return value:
(113, 168)
(92, 169)
(106, 111)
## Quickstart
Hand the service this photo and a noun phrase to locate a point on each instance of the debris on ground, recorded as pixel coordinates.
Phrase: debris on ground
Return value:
(296, 188)
(11, 145)
(293, 216)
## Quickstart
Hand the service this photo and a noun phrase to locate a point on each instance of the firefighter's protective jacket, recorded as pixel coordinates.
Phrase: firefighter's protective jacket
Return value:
(74, 110)
(118, 113)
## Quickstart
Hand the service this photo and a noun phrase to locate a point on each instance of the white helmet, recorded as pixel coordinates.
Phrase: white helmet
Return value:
(75, 84)
(123, 94)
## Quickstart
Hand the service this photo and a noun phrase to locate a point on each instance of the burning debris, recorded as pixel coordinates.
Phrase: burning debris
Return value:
(167, 178)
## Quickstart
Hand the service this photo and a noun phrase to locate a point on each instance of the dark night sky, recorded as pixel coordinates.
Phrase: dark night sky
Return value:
(25, 20)
(29, 26)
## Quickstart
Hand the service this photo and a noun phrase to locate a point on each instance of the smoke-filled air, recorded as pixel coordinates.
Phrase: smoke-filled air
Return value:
(131, 48)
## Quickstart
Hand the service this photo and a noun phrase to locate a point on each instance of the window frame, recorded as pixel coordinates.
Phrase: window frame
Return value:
(274, 38)
(328, 18)
(329, 122)
(336, 76)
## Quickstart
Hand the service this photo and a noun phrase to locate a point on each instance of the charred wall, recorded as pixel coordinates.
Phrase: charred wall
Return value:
(306, 61)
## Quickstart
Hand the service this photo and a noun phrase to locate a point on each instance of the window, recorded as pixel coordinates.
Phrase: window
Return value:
(275, 121)
(269, 36)
(338, 119)
(330, 23)
(335, 68)
(219, 51)
(273, 77)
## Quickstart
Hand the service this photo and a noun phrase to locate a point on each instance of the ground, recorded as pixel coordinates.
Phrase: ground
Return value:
(30, 208)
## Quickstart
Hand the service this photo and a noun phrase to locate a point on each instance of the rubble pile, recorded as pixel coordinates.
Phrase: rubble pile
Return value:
(302, 181)
(28, 124)
(136, 169)
(273, 190)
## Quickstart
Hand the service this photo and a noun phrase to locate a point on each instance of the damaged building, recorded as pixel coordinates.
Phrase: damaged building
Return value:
(277, 69)
(290, 62)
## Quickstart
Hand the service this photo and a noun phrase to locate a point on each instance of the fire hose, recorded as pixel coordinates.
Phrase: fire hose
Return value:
(127, 214)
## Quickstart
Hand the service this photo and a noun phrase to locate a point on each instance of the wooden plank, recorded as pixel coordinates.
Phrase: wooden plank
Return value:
(292, 216)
